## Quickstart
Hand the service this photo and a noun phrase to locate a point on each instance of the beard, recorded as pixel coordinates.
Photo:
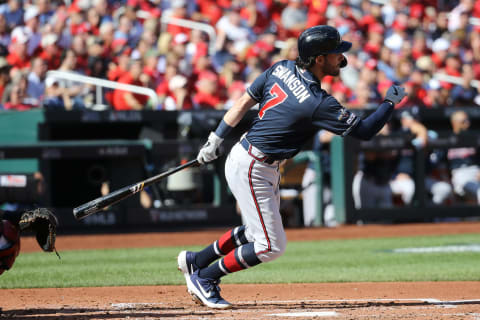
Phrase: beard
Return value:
(331, 70)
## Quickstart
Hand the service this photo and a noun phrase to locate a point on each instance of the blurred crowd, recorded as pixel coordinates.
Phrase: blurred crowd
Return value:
(140, 42)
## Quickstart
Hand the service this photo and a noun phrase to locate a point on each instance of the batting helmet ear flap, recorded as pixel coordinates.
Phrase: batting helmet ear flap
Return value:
(344, 62)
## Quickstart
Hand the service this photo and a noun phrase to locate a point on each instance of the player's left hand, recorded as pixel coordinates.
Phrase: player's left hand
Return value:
(395, 94)
(209, 151)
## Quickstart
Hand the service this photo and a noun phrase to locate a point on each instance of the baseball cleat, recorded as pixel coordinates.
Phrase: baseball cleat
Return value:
(207, 291)
(186, 263)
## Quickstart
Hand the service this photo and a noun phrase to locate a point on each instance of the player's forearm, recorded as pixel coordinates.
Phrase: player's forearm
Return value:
(238, 110)
(367, 128)
(420, 132)
(234, 115)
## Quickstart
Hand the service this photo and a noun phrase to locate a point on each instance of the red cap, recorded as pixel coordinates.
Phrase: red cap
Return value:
(416, 10)
(397, 25)
(74, 8)
(253, 51)
(265, 46)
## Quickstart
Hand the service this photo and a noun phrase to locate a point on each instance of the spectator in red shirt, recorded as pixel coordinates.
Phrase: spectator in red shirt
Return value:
(17, 99)
(77, 21)
(316, 12)
(197, 46)
(79, 46)
(374, 40)
(18, 56)
(207, 96)
(453, 65)
(146, 6)
(440, 51)
(93, 22)
(419, 45)
(106, 34)
(150, 67)
(256, 16)
(125, 100)
(178, 10)
(209, 11)
(179, 99)
(171, 70)
(51, 52)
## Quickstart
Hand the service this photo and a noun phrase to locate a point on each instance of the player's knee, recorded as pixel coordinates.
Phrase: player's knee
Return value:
(273, 251)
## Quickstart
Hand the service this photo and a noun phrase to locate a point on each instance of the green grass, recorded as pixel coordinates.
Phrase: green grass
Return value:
(318, 261)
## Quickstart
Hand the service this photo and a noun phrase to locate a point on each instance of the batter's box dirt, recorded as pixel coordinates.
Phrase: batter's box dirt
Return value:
(414, 309)
(415, 300)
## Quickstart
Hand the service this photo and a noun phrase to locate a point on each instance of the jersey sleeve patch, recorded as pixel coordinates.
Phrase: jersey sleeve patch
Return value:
(332, 116)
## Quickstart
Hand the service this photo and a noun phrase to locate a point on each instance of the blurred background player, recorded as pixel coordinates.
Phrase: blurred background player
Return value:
(371, 184)
(464, 161)
(321, 143)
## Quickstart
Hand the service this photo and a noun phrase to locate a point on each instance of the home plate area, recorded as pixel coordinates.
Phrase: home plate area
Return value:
(310, 309)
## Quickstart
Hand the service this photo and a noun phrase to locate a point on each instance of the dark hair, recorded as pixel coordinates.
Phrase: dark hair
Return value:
(305, 64)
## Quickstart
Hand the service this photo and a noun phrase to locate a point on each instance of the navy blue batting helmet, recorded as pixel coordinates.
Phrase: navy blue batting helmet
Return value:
(320, 40)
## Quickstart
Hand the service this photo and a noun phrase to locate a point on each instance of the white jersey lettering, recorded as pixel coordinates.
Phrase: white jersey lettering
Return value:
(292, 83)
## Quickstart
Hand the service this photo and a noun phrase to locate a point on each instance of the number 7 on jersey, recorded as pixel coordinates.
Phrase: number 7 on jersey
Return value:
(278, 97)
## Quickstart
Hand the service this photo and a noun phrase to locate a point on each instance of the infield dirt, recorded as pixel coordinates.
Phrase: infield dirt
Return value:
(390, 300)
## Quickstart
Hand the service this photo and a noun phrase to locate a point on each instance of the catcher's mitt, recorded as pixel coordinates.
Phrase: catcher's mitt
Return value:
(43, 223)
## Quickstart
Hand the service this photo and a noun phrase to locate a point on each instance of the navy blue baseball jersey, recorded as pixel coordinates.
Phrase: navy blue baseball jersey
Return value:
(462, 157)
(292, 108)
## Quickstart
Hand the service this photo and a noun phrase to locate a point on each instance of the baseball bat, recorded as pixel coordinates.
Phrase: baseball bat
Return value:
(100, 203)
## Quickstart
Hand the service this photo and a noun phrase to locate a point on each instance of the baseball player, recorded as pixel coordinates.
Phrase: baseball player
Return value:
(464, 161)
(292, 108)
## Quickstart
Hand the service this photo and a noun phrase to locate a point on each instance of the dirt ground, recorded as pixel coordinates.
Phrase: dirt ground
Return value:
(391, 300)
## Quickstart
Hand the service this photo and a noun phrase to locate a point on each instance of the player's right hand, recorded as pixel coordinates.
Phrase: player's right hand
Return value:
(209, 151)
(395, 94)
